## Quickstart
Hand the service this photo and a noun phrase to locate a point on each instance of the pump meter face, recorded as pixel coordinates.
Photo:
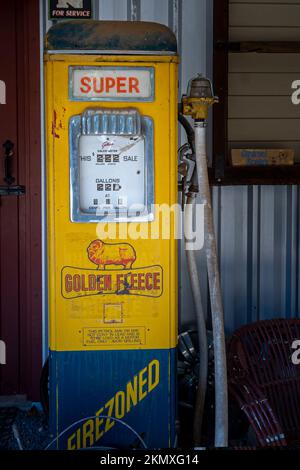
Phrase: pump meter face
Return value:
(112, 173)
(111, 166)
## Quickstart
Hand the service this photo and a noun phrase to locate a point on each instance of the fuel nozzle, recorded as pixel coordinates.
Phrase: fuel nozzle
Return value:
(199, 98)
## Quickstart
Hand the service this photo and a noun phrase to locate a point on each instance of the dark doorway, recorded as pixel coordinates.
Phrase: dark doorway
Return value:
(20, 215)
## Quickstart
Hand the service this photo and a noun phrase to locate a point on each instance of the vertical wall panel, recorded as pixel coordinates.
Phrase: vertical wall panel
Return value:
(112, 10)
(233, 247)
(267, 225)
(292, 243)
(155, 10)
(193, 31)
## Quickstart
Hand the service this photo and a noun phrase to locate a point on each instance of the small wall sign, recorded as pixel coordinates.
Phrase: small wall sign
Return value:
(70, 9)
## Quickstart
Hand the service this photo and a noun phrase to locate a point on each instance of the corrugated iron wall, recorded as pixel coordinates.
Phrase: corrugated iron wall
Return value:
(257, 227)
(258, 238)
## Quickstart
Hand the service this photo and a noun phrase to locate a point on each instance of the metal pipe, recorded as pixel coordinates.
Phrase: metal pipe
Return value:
(221, 393)
(200, 317)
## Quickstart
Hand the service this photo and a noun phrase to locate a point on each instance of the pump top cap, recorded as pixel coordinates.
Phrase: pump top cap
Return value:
(111, 36)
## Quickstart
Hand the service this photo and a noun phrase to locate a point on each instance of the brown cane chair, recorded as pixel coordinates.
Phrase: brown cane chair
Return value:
(264, 381)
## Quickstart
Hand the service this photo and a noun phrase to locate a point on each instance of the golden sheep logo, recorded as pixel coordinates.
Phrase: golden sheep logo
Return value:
(114, 273)
(106, 254)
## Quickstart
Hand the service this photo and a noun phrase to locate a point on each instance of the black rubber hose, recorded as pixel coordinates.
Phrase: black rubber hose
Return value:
(187, 127)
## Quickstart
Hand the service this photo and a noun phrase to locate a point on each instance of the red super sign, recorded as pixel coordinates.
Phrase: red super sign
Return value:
(108, 84)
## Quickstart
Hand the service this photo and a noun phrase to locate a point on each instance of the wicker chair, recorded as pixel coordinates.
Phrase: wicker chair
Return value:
(264, 381)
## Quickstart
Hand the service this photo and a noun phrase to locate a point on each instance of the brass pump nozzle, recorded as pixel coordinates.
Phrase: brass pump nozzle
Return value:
(199, 98)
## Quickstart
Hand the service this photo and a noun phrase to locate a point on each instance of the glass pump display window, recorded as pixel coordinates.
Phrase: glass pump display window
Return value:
(111, 159)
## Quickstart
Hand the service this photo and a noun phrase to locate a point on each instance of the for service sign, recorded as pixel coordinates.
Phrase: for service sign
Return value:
(70, 9)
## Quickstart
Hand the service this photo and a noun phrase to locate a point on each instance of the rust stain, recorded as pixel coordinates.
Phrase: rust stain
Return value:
(54, 126)
(63, 115)
(60, 124)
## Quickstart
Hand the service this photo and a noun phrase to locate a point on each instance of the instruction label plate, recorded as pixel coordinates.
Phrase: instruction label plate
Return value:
(112, 336)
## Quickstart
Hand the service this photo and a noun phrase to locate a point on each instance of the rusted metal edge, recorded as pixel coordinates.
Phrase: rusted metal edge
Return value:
(109, 52)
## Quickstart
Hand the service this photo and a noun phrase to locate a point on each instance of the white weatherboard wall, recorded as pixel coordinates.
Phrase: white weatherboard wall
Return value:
(261, 113)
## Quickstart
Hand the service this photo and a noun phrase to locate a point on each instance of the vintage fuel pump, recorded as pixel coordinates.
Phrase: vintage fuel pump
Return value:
(111, 124)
